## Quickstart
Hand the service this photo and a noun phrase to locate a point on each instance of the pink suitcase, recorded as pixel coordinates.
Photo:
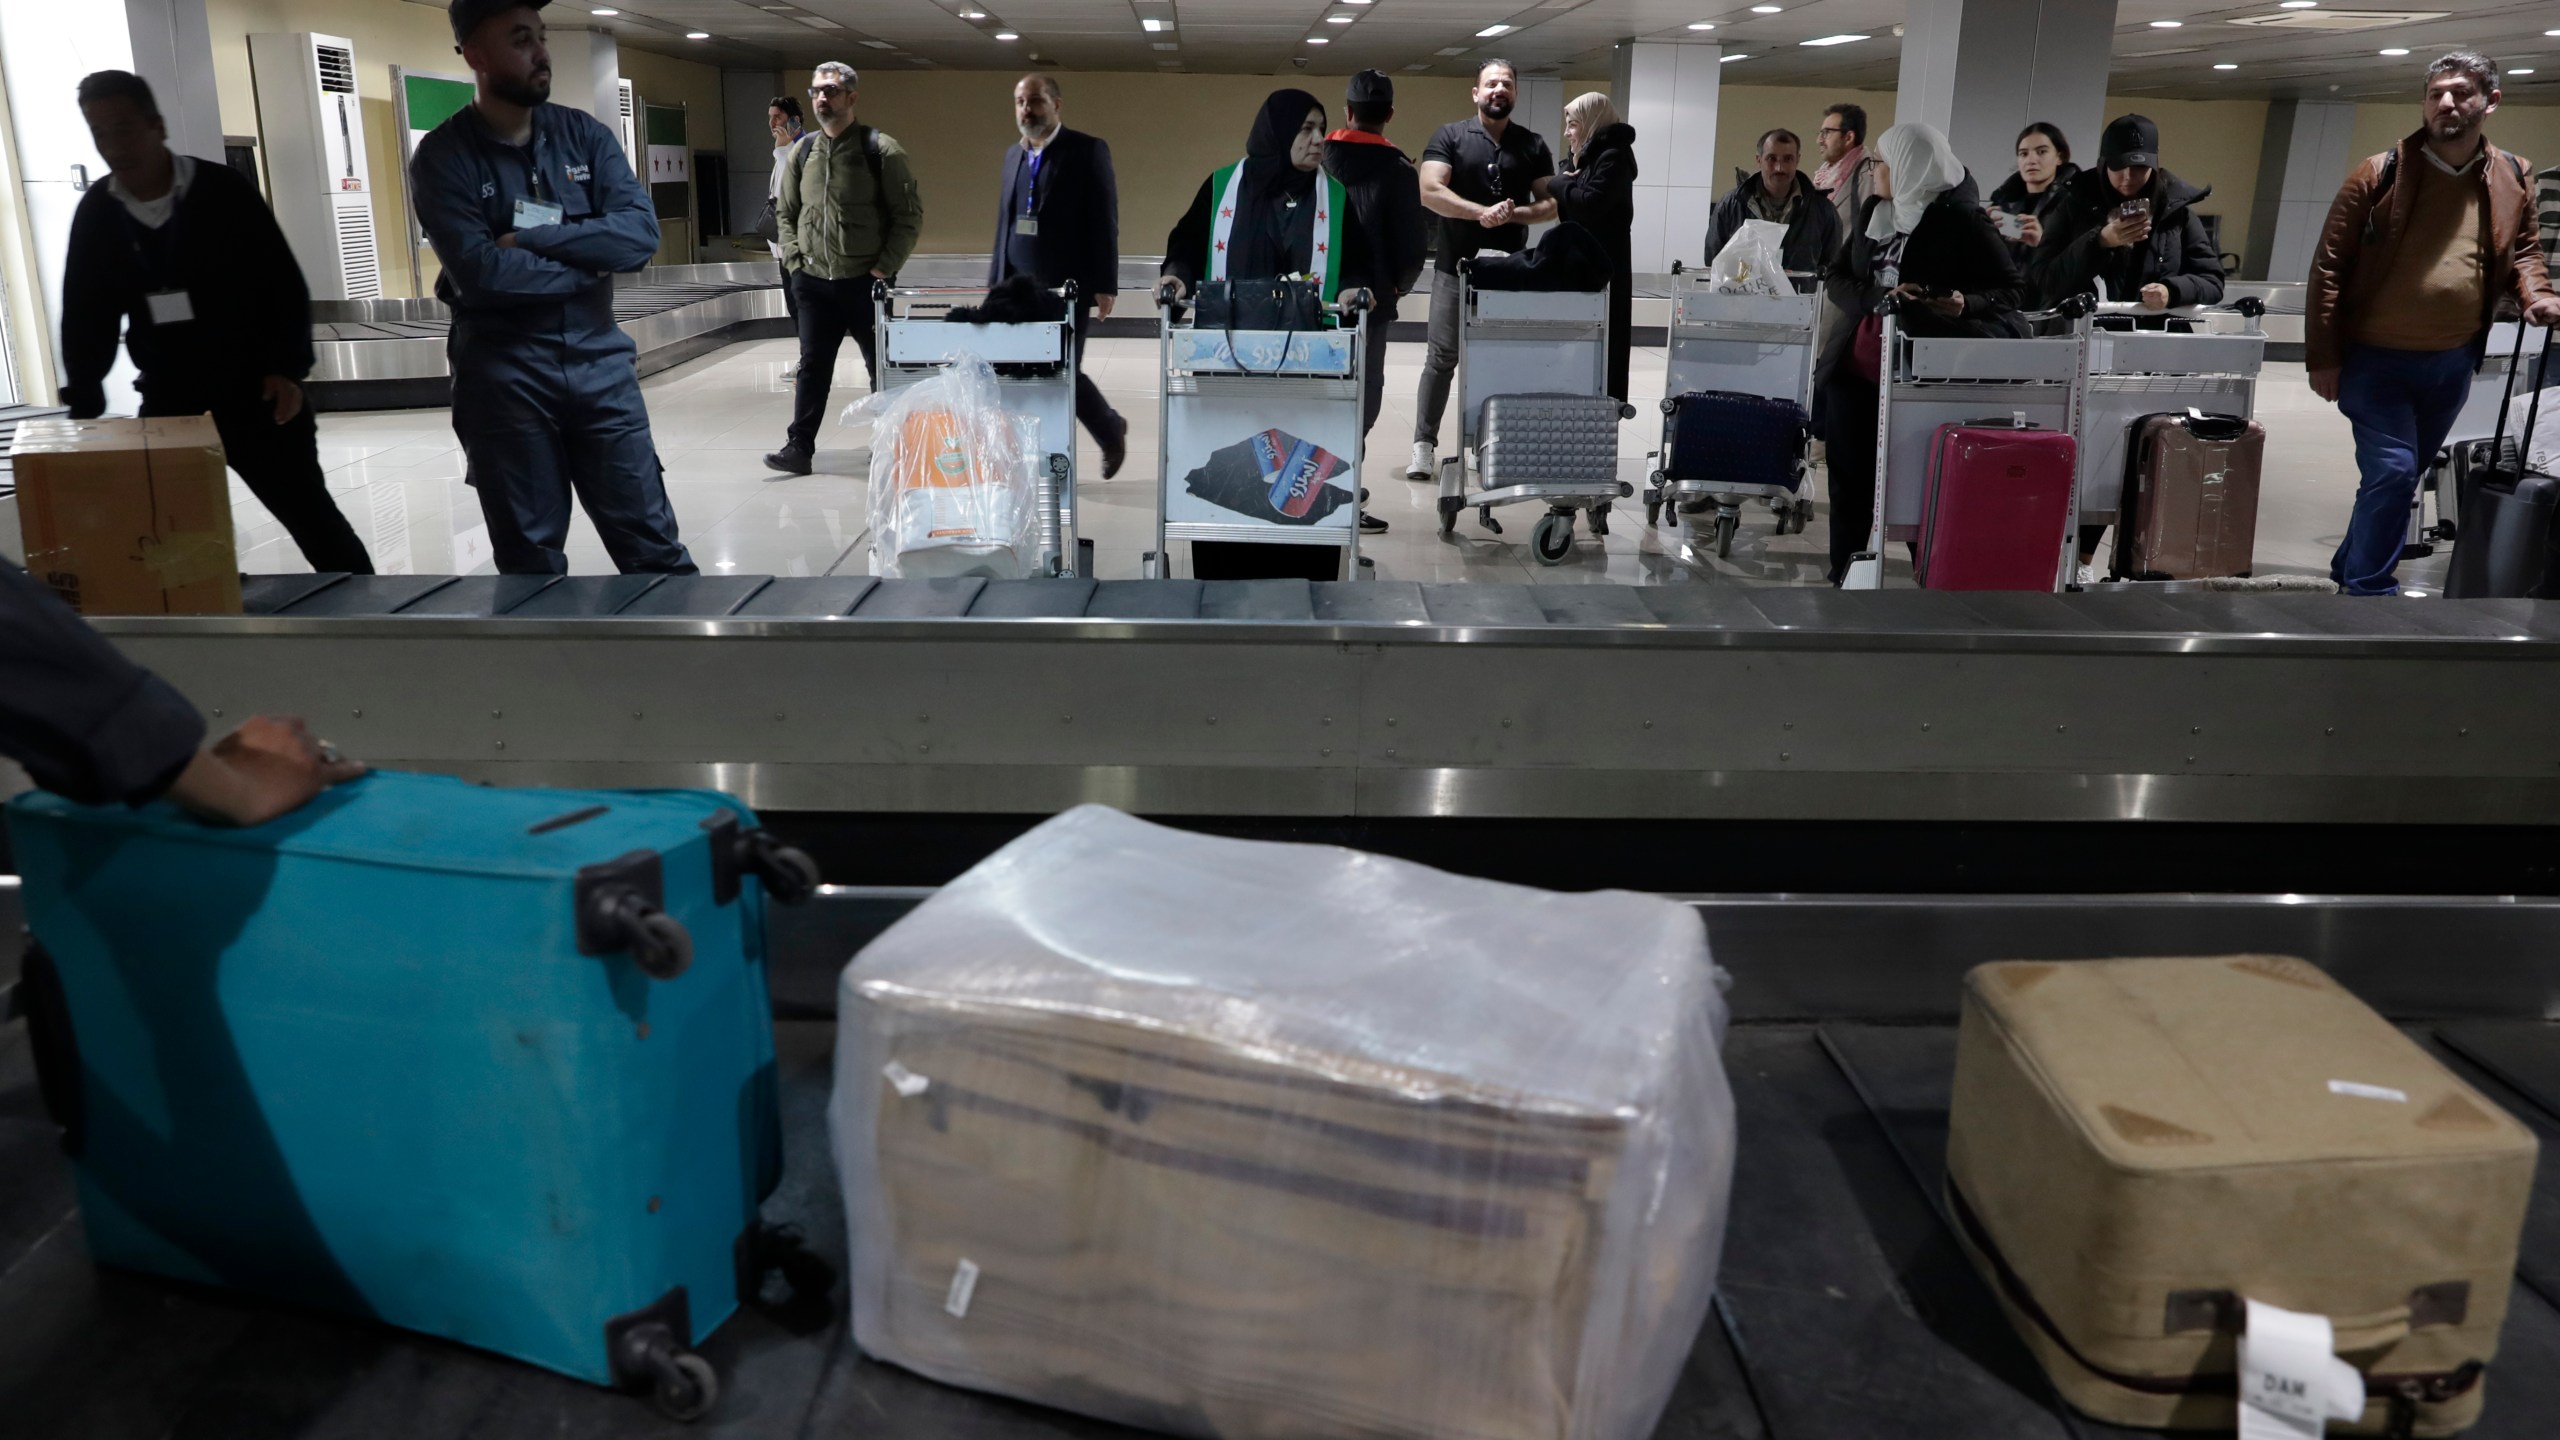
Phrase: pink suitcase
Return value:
(1999, 497)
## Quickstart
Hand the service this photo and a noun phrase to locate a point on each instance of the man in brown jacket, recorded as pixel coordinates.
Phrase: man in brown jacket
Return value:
(2422, 244)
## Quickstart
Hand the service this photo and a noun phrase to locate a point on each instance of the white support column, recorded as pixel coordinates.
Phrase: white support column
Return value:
(1668, 92)
(586, 74)
(1541, 108)
(1982, 70)
(2309, 147)
(173, 49)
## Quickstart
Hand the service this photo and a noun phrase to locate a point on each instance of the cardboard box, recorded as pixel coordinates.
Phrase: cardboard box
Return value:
(128, 517)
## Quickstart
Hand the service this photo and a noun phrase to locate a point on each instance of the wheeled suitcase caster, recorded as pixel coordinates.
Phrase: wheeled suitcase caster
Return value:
(648, 1357)
(1484, 517)
(1553, 539)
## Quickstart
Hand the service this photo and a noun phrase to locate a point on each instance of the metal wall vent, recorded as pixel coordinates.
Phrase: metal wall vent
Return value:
(337, 70)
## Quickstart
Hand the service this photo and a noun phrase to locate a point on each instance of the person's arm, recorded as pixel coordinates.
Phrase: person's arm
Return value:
(2332, 263)
(906, 209)
(1541, 207)
(2067, 262)
(484, 273)
(2199, 281)
(1439, 199)
(87, 723)
(1105, 286)
(1187, 246)
(90, 310)
(1722, 221)
(786, 206)
(1828, 239)
(622, 236)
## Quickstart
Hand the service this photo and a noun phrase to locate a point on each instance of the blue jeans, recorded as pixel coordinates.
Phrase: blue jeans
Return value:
(2402, 404)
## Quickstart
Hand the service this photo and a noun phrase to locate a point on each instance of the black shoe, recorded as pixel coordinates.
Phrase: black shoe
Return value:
(1115, 453)
(1371, 524)
(790, 460)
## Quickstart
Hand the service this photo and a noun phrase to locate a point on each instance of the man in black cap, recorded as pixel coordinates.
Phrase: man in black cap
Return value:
(533, 209)
(1386, 205)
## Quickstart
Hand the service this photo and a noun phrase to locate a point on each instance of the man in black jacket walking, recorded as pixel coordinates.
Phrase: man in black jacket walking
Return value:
(1057, 220)
(1386, 205)
(217, 317)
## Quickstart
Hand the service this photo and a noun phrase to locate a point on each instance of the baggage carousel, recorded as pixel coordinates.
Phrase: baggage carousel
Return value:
(390, 354)
(1845, 1311)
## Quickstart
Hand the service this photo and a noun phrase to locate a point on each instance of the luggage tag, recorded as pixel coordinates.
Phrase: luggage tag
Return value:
(531, 212)
(2292, 1382)
(170, 307)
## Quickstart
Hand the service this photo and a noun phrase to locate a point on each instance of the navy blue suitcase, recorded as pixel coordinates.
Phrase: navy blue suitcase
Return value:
(1726, 438)
(492, 1064)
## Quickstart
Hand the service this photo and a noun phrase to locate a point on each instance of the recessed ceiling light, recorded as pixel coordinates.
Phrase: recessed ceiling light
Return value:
(1340, 19)
(1704, 25)
(1834, 40)
(1490, 31)
(1764, 10)
(878, 45)
(1729, 59)
(1166, 45)
(1450, 50)
(2526, 71)
(1007, 35)
(2395, 50)
(2299, 5)
(2167, 24)
(2226, 66)
(973, 14)
(604, 12)
(1152, 25)
(697, 34)
(1419, 65)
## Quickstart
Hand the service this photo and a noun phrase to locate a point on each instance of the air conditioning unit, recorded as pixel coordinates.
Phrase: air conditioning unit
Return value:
(313, 126)
(630, 127)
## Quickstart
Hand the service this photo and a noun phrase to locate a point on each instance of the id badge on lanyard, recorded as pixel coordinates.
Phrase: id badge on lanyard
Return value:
(533, 209)
(1028, 222)
(166, 304)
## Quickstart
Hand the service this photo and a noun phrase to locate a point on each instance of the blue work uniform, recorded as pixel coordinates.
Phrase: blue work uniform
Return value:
(546, 391)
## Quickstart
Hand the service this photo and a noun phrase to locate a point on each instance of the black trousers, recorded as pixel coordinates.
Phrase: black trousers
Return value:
(790, 297)
(1092, 411)
(279, 463)
(1849, 407)
(829, 311)
(1373, 365)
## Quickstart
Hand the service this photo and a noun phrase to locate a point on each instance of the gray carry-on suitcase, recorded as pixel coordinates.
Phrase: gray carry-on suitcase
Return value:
(1548, 440)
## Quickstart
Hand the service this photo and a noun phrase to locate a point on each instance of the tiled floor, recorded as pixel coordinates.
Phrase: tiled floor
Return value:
(399, 476)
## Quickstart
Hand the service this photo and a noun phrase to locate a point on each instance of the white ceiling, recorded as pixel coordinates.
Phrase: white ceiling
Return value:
(1573, 37)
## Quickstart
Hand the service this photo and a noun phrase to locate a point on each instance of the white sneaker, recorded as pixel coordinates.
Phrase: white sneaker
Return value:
(1425, 461)
(2088, 575)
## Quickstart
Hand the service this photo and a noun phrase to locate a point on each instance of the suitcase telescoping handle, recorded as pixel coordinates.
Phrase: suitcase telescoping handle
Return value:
(2507, 400)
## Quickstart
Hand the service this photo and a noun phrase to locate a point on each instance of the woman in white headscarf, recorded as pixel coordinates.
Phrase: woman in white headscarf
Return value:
(1923, 237)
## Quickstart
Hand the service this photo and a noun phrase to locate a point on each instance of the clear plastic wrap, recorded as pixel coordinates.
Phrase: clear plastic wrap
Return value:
(1752, 262)
(1251, 1140)
(953, 490)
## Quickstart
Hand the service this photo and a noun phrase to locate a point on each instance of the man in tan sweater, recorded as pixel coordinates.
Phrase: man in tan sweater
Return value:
(2422, 244)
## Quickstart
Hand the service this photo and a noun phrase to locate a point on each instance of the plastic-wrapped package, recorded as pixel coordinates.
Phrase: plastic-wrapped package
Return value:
(953, 491)
(1253, 1141)
(1752, 262)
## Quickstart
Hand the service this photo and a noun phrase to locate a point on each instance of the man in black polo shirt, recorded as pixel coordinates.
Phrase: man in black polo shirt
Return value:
(1477, 176)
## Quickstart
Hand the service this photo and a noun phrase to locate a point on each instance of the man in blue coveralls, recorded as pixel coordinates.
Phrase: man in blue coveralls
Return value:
(533, 210)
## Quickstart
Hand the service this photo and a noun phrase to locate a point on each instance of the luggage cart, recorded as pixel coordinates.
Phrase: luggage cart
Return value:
(1036, 372)
(2133, 373)
(1529, 342)
(1931, 381)
(1287, 402)
(1743, 344)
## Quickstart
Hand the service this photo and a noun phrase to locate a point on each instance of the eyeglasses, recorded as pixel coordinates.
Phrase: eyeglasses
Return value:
(1825, 130)
(827, 92)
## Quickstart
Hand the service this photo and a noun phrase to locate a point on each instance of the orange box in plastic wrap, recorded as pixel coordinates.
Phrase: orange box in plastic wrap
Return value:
(128, 517)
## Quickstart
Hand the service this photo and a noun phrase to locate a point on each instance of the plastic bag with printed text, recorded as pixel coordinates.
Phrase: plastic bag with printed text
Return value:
(1753, 262)
(953, 491)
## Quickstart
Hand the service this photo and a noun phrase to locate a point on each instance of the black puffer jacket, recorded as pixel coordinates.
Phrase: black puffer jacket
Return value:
(1599, 194)
(2178, 255)
(1954, 247)
(2012, 196)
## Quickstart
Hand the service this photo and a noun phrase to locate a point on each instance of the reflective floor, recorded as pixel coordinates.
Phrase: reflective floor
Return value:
(399, 477)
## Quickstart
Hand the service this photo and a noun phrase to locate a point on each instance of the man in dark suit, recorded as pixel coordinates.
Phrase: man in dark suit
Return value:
(1059, 220)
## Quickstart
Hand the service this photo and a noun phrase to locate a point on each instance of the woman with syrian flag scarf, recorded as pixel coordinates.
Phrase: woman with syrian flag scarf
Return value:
(1273, 213)
(1923, 236)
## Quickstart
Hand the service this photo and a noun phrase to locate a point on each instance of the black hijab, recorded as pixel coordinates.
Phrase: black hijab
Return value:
(1273, 223)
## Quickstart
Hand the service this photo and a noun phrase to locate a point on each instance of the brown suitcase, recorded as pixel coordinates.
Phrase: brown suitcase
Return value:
(2138, 1145)
(2190, 504)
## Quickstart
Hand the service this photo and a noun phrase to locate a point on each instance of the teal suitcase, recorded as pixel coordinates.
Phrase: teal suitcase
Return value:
(495, 1065)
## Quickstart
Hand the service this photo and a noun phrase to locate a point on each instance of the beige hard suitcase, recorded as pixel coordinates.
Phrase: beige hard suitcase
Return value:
(2138, 1145)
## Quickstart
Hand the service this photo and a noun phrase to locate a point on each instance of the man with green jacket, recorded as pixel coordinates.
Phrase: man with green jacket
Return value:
(848, 215)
